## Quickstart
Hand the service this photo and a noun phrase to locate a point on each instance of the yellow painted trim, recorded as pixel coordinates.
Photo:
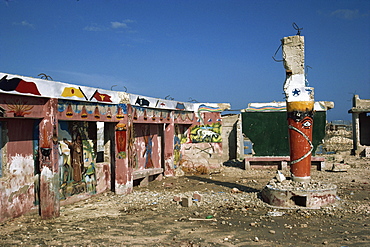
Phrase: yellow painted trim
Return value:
(300, 106)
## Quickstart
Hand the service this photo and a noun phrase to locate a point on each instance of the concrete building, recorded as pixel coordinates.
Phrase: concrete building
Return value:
(62, 142)
(232, 137)
(360, 126)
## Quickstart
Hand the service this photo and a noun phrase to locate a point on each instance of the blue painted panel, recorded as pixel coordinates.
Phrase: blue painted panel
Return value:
(248, 146)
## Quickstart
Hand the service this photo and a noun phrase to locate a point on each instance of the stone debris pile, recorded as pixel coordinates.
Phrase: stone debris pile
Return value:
(291, 185)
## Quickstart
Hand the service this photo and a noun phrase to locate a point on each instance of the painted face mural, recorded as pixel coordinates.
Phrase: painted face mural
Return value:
(300, 123)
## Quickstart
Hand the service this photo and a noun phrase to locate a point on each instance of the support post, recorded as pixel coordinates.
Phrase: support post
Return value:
(124, 154)
(172, 148)
(300, 106)
(49, 177)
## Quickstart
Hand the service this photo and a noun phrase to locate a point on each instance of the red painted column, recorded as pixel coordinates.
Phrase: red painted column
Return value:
(123, 154)
(300, 124)
(48, 150)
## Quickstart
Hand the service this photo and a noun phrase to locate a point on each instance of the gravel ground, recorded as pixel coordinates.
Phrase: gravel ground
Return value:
(228, 212)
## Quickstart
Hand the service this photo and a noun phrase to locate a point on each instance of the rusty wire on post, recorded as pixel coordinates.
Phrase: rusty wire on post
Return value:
(295, 26)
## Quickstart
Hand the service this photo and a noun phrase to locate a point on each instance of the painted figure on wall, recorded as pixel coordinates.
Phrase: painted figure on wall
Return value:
(76, 157)
(148, 139)
(180, 137)
(65, 167)
(121, 140)
(132, 158)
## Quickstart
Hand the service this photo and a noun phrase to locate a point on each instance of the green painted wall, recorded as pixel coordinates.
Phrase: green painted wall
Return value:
(269, 132)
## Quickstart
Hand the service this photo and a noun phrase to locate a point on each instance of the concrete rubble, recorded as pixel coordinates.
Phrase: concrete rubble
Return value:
(216, 217)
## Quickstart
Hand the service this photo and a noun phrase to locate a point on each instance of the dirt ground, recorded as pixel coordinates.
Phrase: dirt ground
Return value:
(151, 217)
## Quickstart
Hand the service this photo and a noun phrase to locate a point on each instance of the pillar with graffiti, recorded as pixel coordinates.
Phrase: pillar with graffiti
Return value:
(300, 103)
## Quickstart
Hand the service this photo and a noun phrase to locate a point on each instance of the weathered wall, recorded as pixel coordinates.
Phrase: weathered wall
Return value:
(148, 146)
(206, 155)
(232, 138)
(17, 183)
(203, 147)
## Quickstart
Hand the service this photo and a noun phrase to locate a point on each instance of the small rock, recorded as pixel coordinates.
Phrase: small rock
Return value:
(177, 198)
(280, 176)
(340, 167)
(235, 190)
(197, 196)
(186, 201)
(272, 232)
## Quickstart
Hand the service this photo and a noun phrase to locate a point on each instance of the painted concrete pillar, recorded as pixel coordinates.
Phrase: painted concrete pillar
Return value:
(48, 149)
(123, 154)
(170, 140)
(355, 132)
(300, 104)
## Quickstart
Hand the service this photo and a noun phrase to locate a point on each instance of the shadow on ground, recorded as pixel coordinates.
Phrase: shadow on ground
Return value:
(224, 184)
(234, 163)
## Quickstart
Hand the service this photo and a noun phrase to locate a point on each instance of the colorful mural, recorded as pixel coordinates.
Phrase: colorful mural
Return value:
(88, 140)
(132, 158)
(18, 85)
(148, 141)
(76, 159)
(205, 108)
(84, 110)
(121, 130)
(206, 133)
(180, 138)
(19, 108)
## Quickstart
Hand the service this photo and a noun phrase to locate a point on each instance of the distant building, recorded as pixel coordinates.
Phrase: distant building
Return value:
(336, 125)
(361, 126)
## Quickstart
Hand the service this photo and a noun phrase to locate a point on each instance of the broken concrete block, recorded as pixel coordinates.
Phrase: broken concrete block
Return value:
(280, 176)
(186, 201)
(177, 198)
(367, 152)
(197, 197)
(341, 167)
(179, 172)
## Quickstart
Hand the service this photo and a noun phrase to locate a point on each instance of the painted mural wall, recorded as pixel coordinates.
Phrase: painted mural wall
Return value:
(60, 141)
(200, 145)
(148, 142)
(77, 158)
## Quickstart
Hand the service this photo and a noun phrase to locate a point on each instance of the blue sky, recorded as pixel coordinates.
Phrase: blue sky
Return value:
(209, 51)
